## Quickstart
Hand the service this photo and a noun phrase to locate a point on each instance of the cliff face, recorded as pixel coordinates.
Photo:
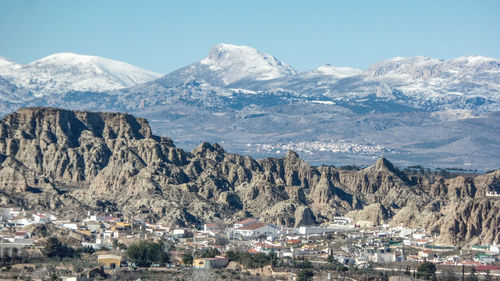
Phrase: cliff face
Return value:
(72, 161)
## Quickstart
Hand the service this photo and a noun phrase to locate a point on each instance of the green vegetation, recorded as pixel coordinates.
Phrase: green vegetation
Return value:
(426, 270)
(187, 258)
(305, 275)
(119, 246)
(146, 253)
(251, 260)
(208, 253)
(54, 248)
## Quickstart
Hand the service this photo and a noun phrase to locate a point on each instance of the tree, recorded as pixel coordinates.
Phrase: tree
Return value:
(115, 244)
(209, 253)
(187, 258)
(53, 276)
(305, 275)
(330, 259)
(146, 253)
(54, 248)
(221, 241)
(472, 276)
(426, 270)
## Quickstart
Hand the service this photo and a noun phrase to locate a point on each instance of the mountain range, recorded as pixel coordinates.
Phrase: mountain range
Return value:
(417, 110)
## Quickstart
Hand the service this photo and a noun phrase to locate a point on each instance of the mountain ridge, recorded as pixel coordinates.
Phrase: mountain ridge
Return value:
(75, 161)
(64, 72)
(436, 113)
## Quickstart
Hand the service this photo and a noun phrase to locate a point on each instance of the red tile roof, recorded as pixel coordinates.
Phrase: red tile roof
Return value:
(246, 221)
(487, 267)
(253, 226)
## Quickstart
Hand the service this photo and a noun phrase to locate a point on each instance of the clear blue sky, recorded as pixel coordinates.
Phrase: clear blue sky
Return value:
(165, 35)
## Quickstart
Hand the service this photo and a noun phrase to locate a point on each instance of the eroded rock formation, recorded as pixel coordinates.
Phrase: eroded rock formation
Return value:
(73, 161)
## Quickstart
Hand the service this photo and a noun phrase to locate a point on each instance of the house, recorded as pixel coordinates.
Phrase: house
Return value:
(257, 229)
(217, 262)
(75, 279)
(22, 235)
(108, 234)
(20, 221)
(418, 236)
(40, 218)
(495, 248)
(9, 213)
(342, 221)
(94, 226)
(307, 230)
(385, 257)
(423, 241)
(179, 233)
(244, 223)
(70, 226)
(109, 261)
(98, 218)
(425, 254)
(213, 228)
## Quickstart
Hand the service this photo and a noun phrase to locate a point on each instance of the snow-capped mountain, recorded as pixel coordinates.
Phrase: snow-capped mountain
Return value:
(419, 110)
(7, 67)
(227, 65)
(415, 68)
(65, 72)
(452, 83)
(423, 83)
(334, 72)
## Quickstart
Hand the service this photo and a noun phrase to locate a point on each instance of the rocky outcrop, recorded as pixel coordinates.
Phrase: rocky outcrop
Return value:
(74, 161)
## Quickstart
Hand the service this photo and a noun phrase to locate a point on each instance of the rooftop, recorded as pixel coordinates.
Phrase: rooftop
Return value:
(253, 226)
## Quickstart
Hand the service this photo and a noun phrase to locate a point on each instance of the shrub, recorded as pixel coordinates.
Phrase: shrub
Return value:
(305, 275)
(426, 270)
(146, 253)
(54, 248)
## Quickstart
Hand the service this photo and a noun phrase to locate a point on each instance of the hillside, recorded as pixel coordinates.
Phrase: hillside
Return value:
(73, 161)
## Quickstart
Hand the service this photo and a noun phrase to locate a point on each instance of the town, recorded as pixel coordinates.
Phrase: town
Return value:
(47, 246)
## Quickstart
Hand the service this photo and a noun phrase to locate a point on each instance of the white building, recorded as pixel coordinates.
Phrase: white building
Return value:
(71, 226)
(39, 218)
(244, 223)
(307, 230)
(20, 221)
(257, 229)
(179, 233)
(342, 220)
(495, 248)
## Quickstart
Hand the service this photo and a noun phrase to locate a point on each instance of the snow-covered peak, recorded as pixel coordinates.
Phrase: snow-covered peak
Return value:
(7, 66)
(401, 66)
(425, 67)
(474, 60)
(334, 71)
(233, 63)
(472, 64)
(63, 72)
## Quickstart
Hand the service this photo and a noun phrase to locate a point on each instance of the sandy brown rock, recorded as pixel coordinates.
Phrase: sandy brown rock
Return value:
(73, 161)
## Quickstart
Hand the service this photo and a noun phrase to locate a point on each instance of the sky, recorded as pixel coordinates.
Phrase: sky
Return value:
(166, 35)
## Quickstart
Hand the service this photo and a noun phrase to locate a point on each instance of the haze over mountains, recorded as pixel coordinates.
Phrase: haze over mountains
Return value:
(416, 110)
